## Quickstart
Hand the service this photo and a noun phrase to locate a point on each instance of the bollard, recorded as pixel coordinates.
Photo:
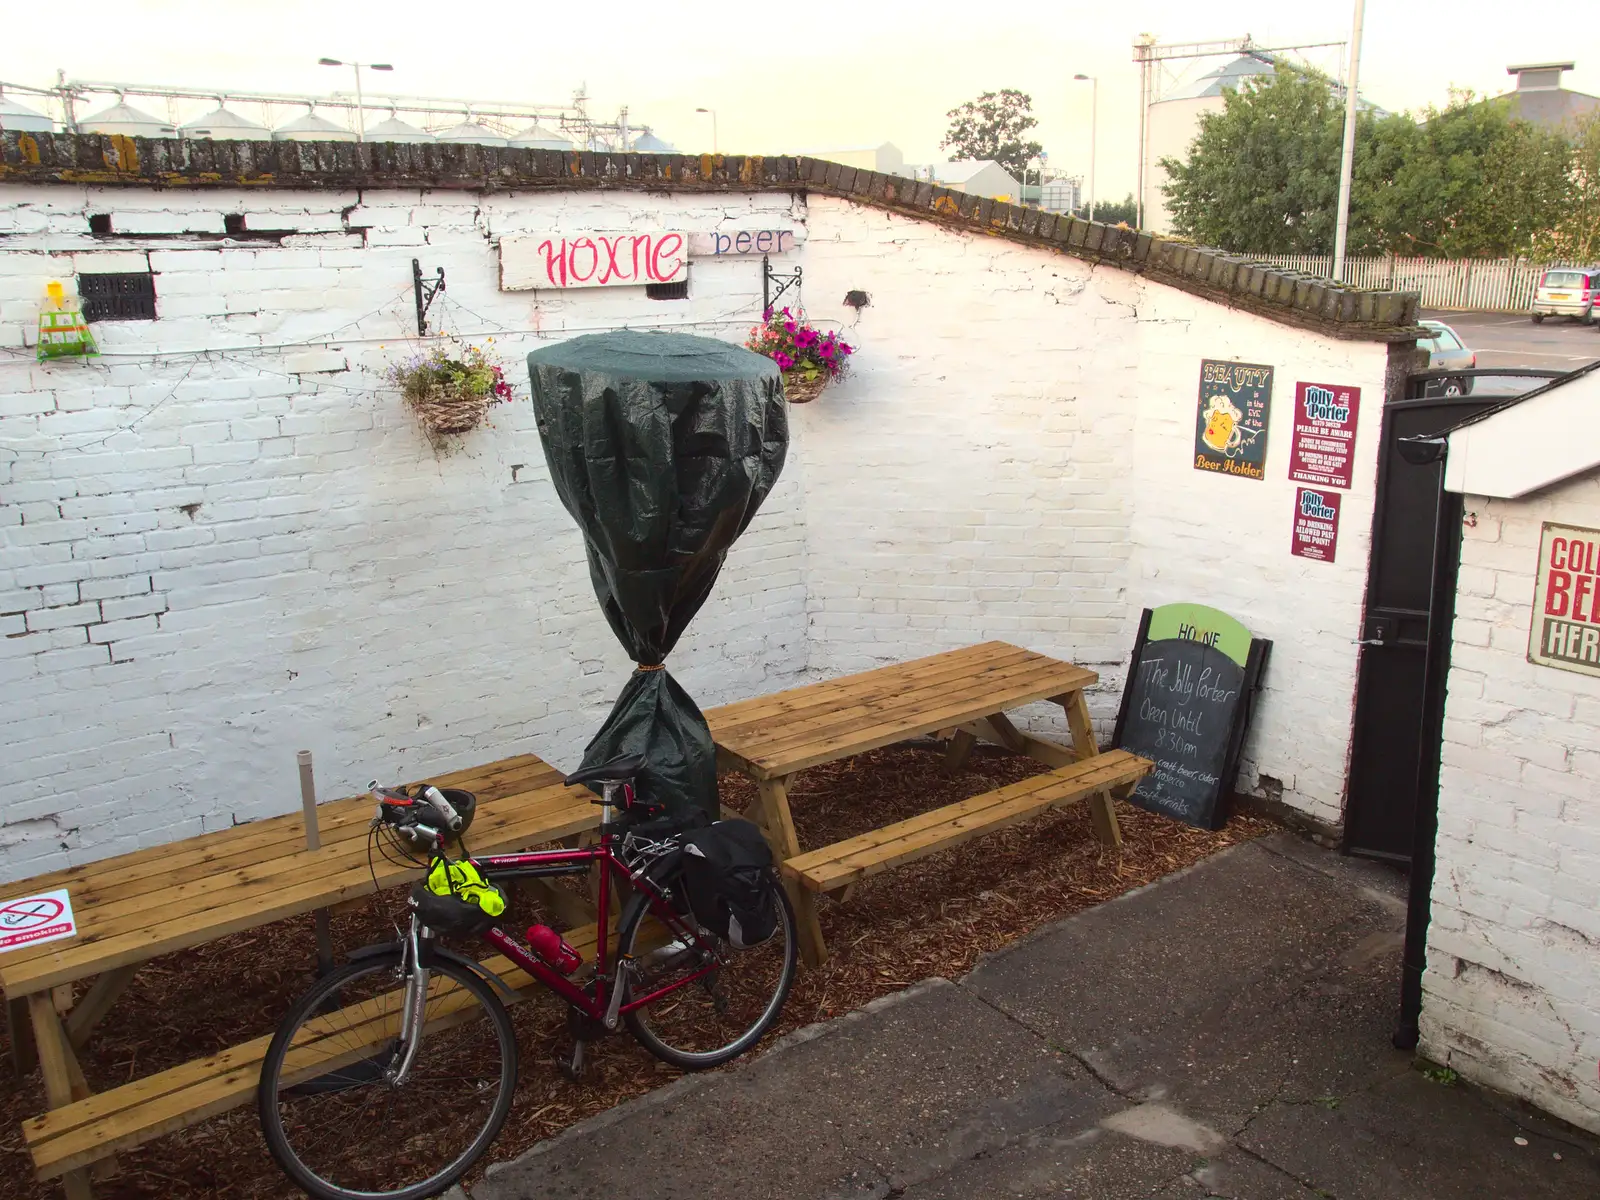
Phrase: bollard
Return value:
(308, 804)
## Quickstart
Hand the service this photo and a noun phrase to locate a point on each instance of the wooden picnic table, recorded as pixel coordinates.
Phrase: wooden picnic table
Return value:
(961, 694)
(135, 907)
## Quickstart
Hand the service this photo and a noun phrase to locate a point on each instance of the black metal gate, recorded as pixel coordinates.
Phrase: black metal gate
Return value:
(1393, 738)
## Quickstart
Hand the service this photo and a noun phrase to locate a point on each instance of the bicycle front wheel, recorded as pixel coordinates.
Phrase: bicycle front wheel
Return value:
(715, 1001)
(332, 1117)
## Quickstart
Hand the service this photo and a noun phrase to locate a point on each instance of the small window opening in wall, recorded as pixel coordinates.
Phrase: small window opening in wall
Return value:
(668, 291)
(100, 223)
(232, 224)
(119, 296)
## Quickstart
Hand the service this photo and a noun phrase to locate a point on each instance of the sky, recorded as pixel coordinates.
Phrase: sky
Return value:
(824, 74)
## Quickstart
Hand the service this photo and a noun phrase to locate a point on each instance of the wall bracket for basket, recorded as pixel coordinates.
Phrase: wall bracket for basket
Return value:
(770, 298)
(426, 294)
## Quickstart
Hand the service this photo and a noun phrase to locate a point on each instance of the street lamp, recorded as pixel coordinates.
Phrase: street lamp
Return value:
(713, 115)
(1094, 113)
(361, 116)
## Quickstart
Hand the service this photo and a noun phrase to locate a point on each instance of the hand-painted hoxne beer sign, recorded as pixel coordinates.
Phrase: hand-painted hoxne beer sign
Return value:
(1565, 629)
(561, 261)
(1230, 432)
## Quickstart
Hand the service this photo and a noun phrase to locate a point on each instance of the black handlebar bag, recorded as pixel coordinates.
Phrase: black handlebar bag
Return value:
(662, 446)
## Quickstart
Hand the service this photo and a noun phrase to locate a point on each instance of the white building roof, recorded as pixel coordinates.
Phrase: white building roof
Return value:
(540, 137)
(22, 118)
(1540, 438)
(223, 123)
(124, 118)
(395, 130)
(473, 131)
(310, 127)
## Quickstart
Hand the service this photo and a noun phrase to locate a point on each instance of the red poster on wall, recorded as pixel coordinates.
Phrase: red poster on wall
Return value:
(1324, 433)
(1316, 524)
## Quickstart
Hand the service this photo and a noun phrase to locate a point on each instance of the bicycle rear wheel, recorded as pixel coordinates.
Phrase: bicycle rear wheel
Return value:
(721, 1014)
(340, 1129)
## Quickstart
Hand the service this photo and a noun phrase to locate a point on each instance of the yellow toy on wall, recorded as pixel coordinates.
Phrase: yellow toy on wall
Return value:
(63, 333)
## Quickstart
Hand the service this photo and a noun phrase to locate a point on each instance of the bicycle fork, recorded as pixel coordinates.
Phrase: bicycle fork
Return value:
(413, 1011)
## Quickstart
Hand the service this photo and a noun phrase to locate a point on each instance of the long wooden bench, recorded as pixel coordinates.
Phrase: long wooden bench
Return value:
(91, 1129)
(834, 867)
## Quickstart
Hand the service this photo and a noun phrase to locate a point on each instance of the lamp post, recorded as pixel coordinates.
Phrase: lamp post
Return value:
(361, 116)
(1094, 117)
(712, 113)
(1352, 104)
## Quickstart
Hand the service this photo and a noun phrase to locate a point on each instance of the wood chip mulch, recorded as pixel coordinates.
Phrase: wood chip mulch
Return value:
(933, 917)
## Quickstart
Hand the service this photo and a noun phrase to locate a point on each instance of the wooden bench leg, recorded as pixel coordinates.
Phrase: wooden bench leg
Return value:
(959, 750)
(1083, 743)
(97, 1002)
(778, 825)
(63, 1077)
(24, 1057)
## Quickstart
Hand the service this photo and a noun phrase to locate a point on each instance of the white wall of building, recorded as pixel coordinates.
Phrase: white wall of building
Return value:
(1013, 458)
(1512, 985)
(209, 560)
(1170, 129)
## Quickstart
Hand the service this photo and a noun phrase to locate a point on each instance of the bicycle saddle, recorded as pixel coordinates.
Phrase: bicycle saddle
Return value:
(618, 770)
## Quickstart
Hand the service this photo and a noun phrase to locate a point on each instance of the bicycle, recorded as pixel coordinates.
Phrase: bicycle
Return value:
(406, 1055)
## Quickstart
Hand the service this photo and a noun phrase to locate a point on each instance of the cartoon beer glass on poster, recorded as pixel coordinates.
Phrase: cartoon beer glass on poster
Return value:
(1231, 424)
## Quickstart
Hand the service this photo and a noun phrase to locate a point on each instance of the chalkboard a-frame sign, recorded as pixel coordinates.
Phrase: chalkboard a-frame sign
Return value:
(1191, 687)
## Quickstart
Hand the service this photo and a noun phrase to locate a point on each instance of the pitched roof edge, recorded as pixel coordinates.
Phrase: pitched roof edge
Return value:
(1280, 295)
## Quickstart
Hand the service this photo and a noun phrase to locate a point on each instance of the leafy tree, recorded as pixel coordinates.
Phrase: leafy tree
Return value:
(1262, 176)
(992, 126)
(1115, 212)
(1576, 236)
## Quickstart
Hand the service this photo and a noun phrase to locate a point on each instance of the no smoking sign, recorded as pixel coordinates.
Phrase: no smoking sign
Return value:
(29, 920)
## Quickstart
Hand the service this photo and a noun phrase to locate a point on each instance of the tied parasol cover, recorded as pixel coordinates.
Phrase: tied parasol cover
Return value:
(662, 447)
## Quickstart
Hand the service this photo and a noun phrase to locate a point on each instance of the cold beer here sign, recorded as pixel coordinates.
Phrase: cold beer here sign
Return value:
(1566, 604)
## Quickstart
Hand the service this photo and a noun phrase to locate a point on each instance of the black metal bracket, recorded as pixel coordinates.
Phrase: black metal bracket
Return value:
(770, 298)
(426, 294)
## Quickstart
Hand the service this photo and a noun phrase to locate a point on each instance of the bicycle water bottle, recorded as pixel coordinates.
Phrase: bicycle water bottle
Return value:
(553, 949)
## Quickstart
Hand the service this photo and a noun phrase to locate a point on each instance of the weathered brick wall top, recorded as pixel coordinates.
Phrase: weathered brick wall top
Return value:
(1286, 296)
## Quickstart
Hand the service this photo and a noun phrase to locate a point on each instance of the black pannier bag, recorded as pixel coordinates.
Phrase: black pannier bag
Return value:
(727, 871)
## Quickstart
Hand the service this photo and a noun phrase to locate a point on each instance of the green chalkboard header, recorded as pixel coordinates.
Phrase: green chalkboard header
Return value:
(1198, 623)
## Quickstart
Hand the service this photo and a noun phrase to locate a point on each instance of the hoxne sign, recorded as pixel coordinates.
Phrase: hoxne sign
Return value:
(1565, 629)
(559, 261)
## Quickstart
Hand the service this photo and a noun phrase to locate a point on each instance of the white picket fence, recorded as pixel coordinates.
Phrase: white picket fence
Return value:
(1464, 284)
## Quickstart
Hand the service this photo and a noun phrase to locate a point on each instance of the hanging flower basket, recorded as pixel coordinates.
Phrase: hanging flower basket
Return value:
(797, 389)
(809, 358)
(451, 393)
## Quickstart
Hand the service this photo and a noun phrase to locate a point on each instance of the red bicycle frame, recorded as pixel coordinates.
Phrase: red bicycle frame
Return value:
(546, 863)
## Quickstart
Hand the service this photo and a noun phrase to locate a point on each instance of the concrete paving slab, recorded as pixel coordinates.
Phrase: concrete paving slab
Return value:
(1221, 1033)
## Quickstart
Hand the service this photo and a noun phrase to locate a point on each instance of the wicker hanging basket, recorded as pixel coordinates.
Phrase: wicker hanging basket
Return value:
(797, 389)
(444, 409)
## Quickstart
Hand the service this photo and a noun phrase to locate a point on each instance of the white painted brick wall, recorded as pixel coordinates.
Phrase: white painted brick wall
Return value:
(210, 560)
(1512, 985)
(1013, 459)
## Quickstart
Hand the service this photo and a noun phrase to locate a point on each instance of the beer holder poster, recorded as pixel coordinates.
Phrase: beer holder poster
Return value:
(1186, 705)
(1324, 434)
(1316, 524)
(1230, 431)
(1566, 601)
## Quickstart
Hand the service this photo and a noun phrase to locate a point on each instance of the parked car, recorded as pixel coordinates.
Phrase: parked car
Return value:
(1567, 292)
(1446, 352)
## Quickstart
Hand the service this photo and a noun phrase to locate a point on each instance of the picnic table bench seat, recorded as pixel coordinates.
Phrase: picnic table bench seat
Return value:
(135, 907)
(100, 1125)
(835, 867)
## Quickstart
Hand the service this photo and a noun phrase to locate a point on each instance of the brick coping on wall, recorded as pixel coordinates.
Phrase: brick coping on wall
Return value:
(1289, 297)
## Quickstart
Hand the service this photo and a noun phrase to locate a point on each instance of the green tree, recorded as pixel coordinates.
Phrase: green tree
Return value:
(1576, 236)
(1262, 176)
(992, 126)
(1113, 212)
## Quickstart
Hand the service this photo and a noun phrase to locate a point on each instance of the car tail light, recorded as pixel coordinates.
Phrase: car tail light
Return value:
(1474, 361)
